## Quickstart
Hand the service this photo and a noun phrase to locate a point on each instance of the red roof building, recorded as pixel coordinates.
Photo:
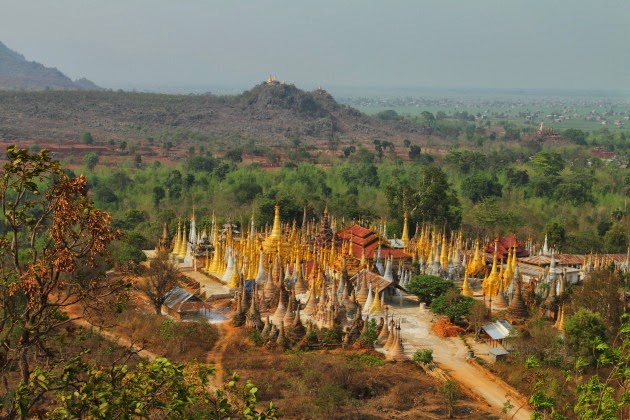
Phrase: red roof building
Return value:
(504, 244)
(363, 238)
(603, 154)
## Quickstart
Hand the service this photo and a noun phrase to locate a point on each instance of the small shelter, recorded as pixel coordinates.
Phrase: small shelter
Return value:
(497, 354)
(500, 333)
(182, 304)
(372, 279)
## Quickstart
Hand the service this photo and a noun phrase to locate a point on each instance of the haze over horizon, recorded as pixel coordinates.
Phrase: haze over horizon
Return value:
(225, 45)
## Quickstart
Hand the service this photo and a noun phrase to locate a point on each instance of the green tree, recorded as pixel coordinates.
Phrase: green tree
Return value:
(427, 122)
(105, 195)
(428, 198)
(388, 115)
(138, 161)
(90, 160)
(86, 138)
(451, 394)
(201, 163)
(156, 389)
(428, 288)
(576, 192)
(466, 160)
(452, 304)
(584, 330)
(549, 163)
(575, 135)
(478, 186)
(369, 336)
(556, 233)
(423, 356)
(158, 195)
(616, 239)
(415, 152)
(234, 155)
(348, 151)
(516, 177)
(120, 181)
(606, 396)
(244, 186)
(583, 242)
(363, 155)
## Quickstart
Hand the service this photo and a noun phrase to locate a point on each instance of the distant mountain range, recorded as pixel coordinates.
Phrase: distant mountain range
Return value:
(17, 73)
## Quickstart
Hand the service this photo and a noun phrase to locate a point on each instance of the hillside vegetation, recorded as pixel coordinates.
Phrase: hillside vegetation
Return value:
(270, 115)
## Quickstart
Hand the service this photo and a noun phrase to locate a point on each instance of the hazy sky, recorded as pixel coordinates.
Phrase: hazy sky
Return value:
(566, 44)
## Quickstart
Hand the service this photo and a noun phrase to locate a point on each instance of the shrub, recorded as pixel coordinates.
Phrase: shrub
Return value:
(428, 288)
(423, 356)
(360, 361)
(453, 305)
(368, 337)
(255, 337)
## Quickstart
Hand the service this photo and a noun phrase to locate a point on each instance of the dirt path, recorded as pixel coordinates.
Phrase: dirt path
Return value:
(215, 356)
(117, 339)
(450, 354)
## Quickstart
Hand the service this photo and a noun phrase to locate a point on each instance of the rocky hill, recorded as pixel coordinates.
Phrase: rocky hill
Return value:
(269, 114)
(17, 73)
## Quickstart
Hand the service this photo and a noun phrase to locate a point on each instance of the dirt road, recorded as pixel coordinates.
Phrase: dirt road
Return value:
(450, 355)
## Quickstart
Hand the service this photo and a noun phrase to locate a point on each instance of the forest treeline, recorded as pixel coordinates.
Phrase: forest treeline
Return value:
(528, 188)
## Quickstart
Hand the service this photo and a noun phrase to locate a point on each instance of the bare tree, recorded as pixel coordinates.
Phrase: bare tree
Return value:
(477, 316)
(161, 278)
(52, 243)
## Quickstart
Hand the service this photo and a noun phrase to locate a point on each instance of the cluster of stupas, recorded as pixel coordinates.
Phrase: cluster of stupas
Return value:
(500, 282)
(324, 277)
(288, 280)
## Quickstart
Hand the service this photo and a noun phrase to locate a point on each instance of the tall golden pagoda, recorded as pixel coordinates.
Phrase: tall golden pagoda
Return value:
(275, 242)
(405, 232)
(490, 285)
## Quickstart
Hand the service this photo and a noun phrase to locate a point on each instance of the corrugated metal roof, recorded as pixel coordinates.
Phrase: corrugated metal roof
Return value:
(374, 279)
(571, 259)
(499, 330)
(493, 332)
(176, 296)
(505, 326)
(181, 300)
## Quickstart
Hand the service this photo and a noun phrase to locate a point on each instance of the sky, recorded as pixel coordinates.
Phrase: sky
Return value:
(192, 45)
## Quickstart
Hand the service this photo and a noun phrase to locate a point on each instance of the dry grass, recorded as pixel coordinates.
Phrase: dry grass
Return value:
(339, 384)
(176, 340)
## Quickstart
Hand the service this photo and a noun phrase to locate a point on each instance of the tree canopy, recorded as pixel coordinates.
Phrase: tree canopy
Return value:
(427, 198)
(52, 249)
(428, 288)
